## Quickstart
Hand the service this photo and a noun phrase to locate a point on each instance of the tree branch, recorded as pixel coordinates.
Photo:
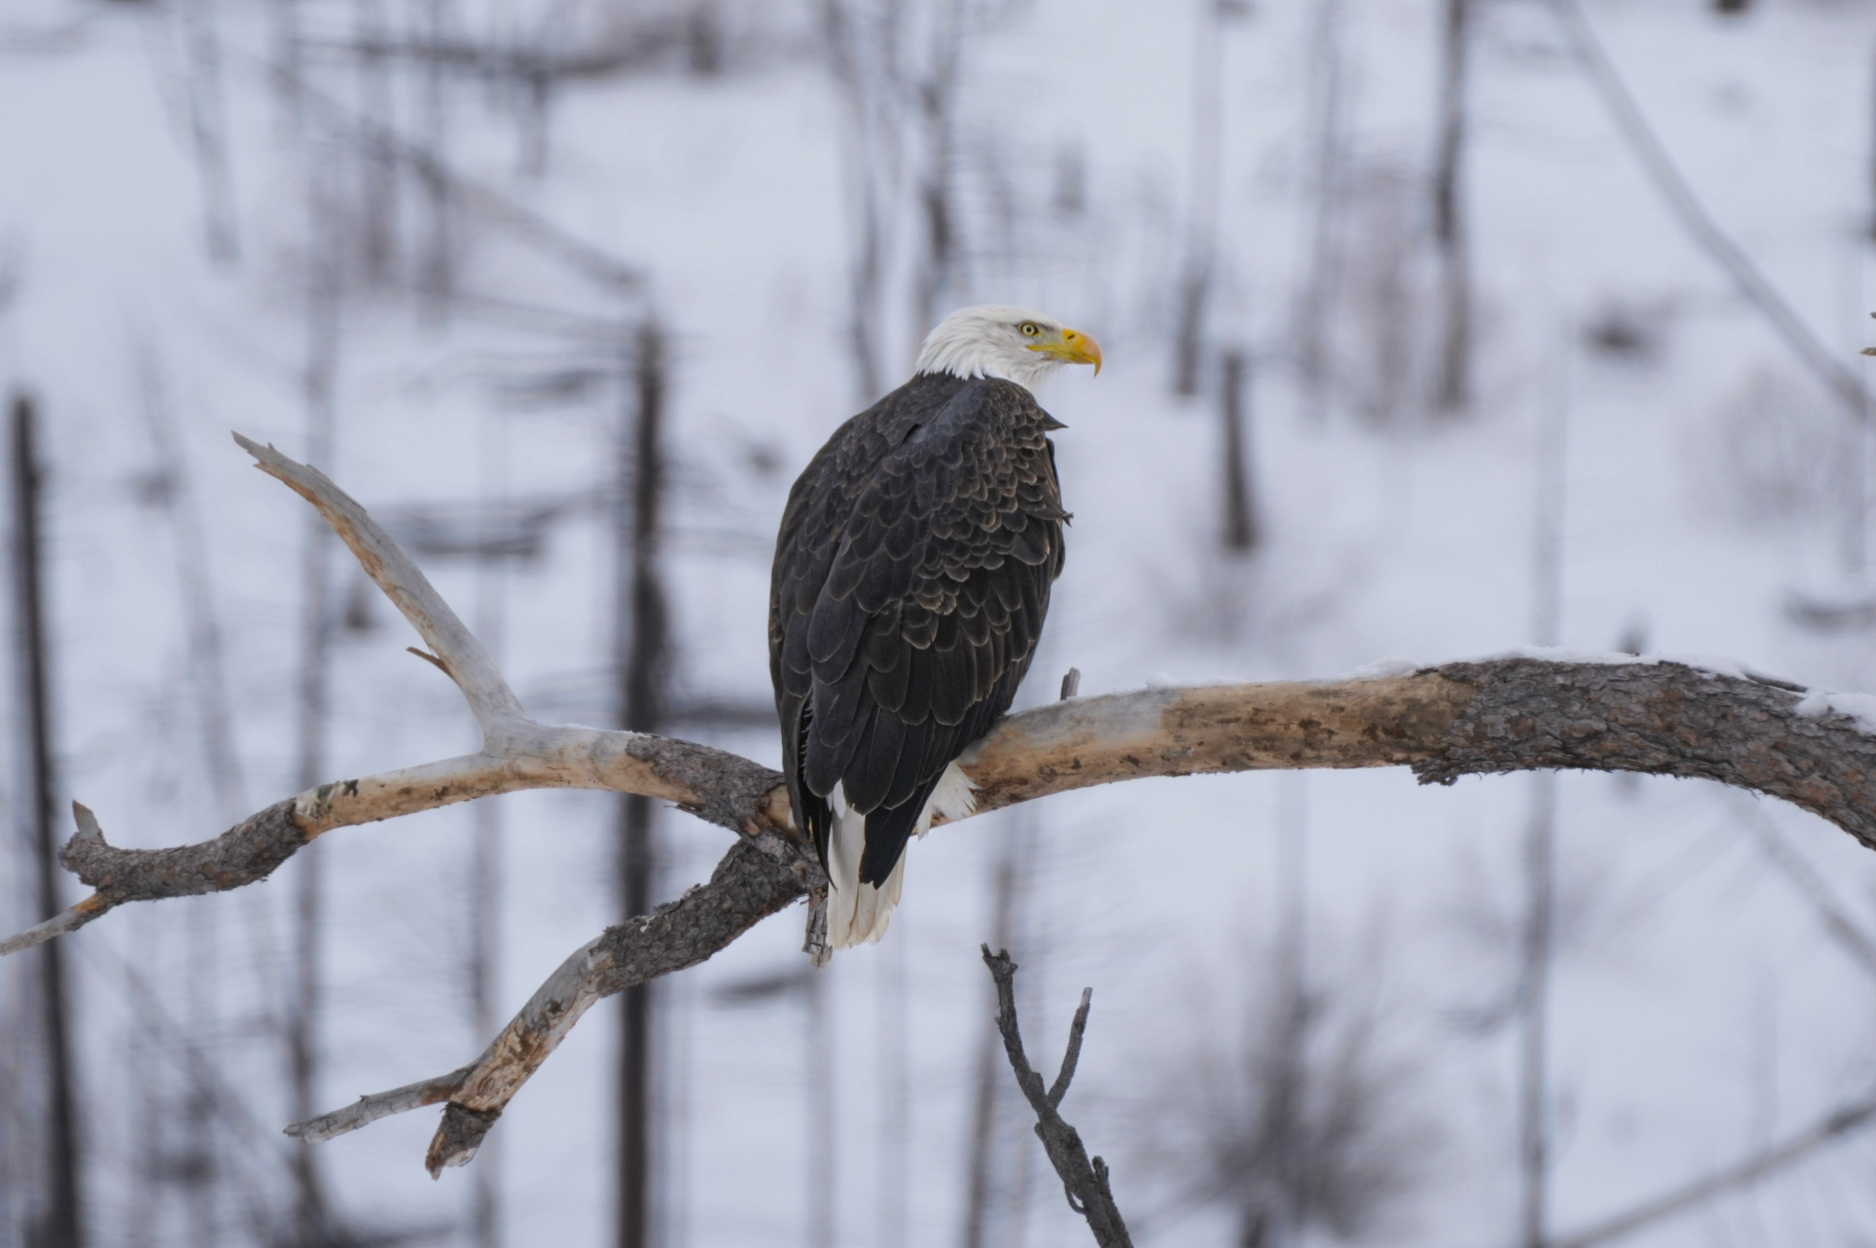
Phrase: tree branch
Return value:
(754, 880)
(453, 647)
(1532, 710)
(1497, 715)
(1083, 1180)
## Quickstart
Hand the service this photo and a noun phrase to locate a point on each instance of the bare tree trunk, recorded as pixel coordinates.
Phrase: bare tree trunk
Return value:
(703, 39)
(862, 46)
(436, 268)
(287, 69)
(378, 229)
(208, 681)
(196, 596)
(1552, 477)
(1241, 530)
(314, 1215)
(209, 128)
(938, 102)
(1290, 1088)
(986, 1162)
(1202, 211)
(1540, 837)
(823, 1161)
(895, 1143)
(146, 1128)
(1534, 1017)
(485, 871)
(1453, 386)
(1871, 230)
(17, 1021)
(63, 1222)
(1319, 289)
(642, 651)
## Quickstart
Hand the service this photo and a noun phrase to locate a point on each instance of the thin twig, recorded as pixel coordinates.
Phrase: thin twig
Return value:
(68, 920)
(1072, 1057)
(368, 1109)
(1085, 1181)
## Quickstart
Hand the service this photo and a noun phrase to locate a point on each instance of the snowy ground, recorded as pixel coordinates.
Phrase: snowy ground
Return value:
(1700, 1011)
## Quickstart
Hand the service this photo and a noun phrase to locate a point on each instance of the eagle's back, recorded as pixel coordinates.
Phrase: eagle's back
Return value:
(911, 579)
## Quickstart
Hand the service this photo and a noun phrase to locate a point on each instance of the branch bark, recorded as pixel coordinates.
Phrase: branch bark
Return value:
(754, 880)
(1528, 711)
(1085, 1181)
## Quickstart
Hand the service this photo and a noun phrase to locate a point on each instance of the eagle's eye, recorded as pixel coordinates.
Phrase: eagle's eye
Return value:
(1030, 329)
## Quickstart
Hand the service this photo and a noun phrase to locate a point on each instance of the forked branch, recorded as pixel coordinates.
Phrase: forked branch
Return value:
(1505, 714)
(1085, 1181)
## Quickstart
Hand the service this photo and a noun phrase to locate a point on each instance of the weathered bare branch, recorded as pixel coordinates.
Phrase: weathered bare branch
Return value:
(368, 1109)
(754, 880)
(1496, 715)
(455, 649)
(1085, 1181)
(1527, 712)
(1522, 712)
(69, 920)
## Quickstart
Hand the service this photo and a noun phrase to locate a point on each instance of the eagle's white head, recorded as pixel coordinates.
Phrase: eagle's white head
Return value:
(998, 340)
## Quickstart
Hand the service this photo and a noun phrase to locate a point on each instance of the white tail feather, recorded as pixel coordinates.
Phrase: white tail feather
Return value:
(859, 913)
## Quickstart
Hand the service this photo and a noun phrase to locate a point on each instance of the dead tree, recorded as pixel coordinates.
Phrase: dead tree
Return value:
(1201, 244)
(60, 1223)
(937, 96)
(169, 486)
(863, 54)
(1525, 712)
(1453, 388)
(319, 384)
(1540, 874)
(641, 647)
(209, 130)
(1240, 528)
(1195, 279)
(1315, 305)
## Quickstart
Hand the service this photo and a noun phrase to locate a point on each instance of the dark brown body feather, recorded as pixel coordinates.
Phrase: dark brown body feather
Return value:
(911, 579)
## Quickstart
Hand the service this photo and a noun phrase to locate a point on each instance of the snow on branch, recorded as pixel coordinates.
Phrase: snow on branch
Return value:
(1528, 711)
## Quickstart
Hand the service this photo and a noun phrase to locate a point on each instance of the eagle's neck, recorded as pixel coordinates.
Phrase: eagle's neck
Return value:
(968, 356)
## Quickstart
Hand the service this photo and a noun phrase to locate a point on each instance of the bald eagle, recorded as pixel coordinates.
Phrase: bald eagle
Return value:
(911, 577)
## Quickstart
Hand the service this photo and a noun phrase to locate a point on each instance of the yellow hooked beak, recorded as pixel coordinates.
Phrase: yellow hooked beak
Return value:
(1074, 347)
